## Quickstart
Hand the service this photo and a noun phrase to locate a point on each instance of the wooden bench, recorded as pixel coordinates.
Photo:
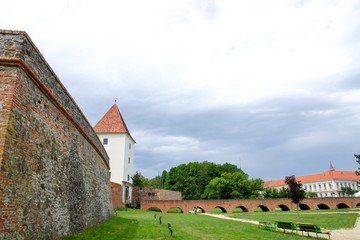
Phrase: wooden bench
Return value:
(267, 225)
(305, 227)
(286, 226)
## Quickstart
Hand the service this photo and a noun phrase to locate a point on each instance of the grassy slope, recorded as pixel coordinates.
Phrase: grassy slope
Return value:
(137, 224)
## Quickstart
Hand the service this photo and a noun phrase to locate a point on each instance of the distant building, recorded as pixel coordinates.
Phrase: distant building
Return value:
(327, 184)
(119, 145)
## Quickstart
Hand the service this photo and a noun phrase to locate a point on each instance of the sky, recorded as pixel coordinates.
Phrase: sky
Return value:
(270, 86)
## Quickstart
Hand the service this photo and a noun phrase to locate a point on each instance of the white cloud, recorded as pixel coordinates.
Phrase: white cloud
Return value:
(171, 60)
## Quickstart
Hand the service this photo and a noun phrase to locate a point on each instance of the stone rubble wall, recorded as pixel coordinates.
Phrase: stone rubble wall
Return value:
(54, 171)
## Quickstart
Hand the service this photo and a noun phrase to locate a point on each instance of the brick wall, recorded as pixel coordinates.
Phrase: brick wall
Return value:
(54, 177)
(116, 195)
(150, 193)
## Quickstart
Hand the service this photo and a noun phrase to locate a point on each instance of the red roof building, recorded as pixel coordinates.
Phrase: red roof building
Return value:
(112, 122)
(327, 184)
(119, 145)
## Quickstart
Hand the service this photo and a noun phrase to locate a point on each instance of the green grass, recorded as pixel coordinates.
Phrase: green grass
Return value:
(326, 219)
(141, 225)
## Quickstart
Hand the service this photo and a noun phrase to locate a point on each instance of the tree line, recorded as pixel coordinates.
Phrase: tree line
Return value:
(205, 180)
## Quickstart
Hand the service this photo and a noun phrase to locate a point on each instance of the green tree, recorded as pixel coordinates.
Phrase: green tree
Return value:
(233, 186)
(155, 182)
(275, 193)
(294, 190)
(358, 161)
(139, 180)
(192, 179)
(310, 194)
(216, 189)
(348, 191)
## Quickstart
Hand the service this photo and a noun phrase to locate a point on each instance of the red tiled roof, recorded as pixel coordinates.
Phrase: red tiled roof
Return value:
(112, 122)
(332, 174)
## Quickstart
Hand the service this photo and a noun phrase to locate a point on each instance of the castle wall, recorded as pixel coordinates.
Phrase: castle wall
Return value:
(54, 177)
(157, 194)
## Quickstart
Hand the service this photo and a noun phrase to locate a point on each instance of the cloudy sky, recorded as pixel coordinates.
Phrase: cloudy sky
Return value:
(271, 86)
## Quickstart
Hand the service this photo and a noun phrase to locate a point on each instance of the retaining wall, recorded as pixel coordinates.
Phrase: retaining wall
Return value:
(54, 177)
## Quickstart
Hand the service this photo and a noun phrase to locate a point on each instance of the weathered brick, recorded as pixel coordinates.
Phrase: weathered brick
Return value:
(54, 174)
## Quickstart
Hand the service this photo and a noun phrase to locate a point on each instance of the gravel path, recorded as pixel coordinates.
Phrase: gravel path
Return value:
(340, 234)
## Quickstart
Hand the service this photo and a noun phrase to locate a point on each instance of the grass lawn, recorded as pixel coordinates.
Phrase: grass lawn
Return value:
(325, 219)
(141, 225)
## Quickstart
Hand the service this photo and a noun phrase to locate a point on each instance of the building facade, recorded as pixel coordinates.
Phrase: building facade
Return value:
(119, 145)
(327, 184)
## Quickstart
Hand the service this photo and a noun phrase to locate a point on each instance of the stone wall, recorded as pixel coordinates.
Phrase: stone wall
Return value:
(54, 177)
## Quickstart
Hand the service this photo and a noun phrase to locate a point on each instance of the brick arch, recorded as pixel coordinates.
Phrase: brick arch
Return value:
(156, 209)
(243, 208)
(323, 206)
(251, 204)
(264, 208)
(304, 207)
(181, 210)
(342, 205)
(221, 208)
(284, 207)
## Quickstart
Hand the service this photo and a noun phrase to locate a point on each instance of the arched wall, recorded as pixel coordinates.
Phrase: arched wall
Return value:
(252, 204)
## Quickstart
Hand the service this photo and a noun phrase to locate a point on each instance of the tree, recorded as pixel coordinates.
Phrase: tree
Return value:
(139, 180)
(358, 161)
(311, 195)
(348, 190)
(235, 185)
(274, 193)
(295, 192)
(192, 179)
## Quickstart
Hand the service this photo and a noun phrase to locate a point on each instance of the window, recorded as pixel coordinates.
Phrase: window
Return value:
(129, 145)
(105, 141)
(129, 160)
(128, 177)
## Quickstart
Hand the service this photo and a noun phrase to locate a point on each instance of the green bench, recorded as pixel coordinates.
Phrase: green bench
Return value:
(305, 227)
(286, 226)
(267, 225)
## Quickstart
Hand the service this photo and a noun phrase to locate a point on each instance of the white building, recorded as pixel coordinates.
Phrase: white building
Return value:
(327, 184)
(119, 145)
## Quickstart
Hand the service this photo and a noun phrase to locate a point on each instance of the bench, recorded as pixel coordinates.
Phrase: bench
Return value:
(305, 227)
(267, 225)
(286, 226)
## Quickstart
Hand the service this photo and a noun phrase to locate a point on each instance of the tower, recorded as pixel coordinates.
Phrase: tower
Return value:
(119, 145)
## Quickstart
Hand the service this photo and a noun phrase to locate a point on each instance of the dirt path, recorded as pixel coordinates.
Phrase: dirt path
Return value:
(341, 234)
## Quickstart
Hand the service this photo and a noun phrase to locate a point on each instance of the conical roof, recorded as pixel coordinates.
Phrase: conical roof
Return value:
(112, 122)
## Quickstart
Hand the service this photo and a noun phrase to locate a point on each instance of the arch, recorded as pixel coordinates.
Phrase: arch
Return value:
(154, 209)
(240, 209)
(323, 206)
(264, 208)
(214, 210)
(283, 207)
(197, 209)
(358, 205)
(304, 207)
(342, 205)
(175, 210)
